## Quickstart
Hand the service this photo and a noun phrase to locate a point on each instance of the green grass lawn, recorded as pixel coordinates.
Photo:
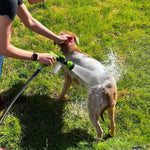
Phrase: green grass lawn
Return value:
(37, 121)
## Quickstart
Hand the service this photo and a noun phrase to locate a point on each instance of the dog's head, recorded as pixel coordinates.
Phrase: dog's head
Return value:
(72, 38)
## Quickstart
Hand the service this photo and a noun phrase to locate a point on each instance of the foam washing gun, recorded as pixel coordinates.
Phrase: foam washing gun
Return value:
(61, 61)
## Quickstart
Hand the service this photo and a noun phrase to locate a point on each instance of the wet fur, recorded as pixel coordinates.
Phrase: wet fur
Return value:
(100, 97)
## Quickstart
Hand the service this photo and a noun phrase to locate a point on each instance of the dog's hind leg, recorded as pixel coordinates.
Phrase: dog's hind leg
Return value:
(94, 117)
(67, 84)
(111, 111)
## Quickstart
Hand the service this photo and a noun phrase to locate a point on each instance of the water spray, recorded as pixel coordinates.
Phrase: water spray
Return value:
(84, 74)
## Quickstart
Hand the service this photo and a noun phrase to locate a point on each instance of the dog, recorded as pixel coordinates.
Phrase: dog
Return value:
(102, 95)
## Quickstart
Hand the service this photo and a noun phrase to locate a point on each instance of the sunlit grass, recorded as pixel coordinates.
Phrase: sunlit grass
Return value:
(37, 121)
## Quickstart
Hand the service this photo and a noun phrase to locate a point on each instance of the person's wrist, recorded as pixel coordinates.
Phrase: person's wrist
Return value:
(58, 39)
(34, 57)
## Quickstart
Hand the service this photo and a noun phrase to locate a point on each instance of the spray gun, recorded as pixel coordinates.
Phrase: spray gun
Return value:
(61, 61)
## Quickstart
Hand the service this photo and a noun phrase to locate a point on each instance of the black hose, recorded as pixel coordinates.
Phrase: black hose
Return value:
(19, 93)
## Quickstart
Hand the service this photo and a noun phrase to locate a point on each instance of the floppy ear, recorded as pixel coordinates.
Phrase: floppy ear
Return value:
(76, 39)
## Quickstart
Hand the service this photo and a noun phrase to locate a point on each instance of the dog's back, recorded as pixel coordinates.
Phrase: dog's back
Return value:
(97, 72)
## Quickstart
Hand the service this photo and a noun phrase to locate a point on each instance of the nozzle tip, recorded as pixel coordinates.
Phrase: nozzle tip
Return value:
(70, 65)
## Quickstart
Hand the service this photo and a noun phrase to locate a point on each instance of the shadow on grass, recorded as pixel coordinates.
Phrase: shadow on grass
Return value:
(41, 120)
(106, 137)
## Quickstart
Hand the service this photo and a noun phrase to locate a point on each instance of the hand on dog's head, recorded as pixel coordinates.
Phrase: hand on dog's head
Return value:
(71, 37)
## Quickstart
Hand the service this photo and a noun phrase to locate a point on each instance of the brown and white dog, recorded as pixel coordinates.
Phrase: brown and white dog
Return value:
(101, 95)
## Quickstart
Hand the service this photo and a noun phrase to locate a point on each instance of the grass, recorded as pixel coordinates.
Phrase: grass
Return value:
(37, 121)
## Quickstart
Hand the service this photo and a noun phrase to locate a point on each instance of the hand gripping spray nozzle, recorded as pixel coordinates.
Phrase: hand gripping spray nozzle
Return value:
(61, 61)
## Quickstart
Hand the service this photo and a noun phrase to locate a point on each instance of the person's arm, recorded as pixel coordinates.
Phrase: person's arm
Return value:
(36, 26)
(6, 49)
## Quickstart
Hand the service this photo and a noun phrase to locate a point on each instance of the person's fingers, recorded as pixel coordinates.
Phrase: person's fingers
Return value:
(46, 58)
(51, 60)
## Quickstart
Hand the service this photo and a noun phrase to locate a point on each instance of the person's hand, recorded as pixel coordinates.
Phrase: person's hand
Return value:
(62, 39)
(46, 59)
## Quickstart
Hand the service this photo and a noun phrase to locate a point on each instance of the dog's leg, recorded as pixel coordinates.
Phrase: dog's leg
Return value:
(112, 122)
(94, 117)
(67, 84)
(111, 111)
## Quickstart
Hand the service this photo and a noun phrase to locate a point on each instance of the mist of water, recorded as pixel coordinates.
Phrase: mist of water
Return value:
(114, 65)
(84, 74)
(57, 67)
(110, 71)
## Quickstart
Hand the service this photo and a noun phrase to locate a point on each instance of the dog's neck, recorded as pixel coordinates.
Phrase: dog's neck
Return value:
(67, 48)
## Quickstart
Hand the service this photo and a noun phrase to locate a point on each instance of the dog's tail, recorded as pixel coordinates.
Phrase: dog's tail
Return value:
(109, 97)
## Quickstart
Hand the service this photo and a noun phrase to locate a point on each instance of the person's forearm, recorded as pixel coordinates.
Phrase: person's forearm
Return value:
(16, 53)
(13, 52)
(37, 27)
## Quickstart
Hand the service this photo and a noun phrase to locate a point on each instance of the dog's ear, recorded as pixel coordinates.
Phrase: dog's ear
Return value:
(76, 39)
